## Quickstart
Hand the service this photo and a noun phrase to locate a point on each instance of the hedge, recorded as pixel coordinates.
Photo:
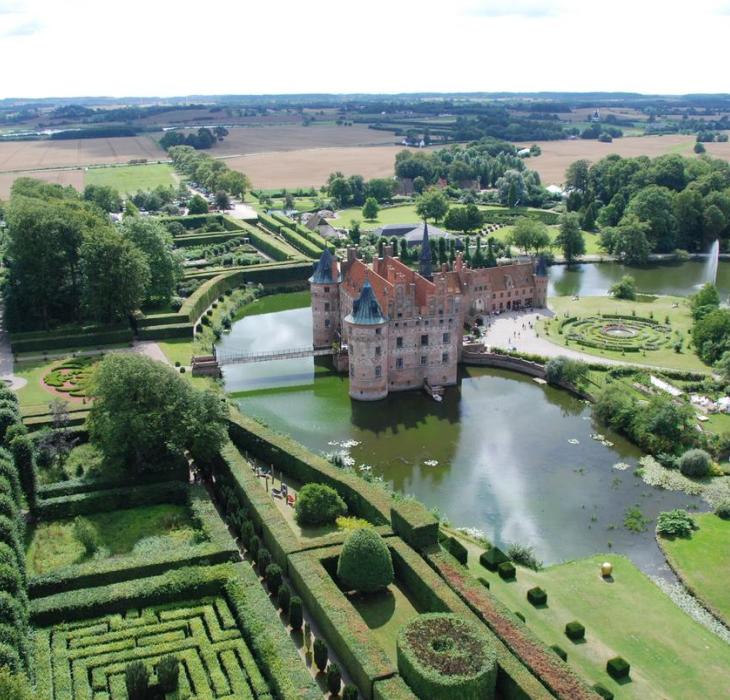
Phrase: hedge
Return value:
(298, 241)
(394, 688)
(537, 596)
(165, 331)
(618, 668)
(492, 558)
(525, 647)
(575, 630)
(413, 523)
(194, 220)
(507, 571)
(270, 222)
(457, 550)
(265, 242)
(204, 238)
(560, 651)
(53, 340)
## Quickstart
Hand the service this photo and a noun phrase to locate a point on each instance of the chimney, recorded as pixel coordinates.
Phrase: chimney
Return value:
(351, 254)
(388, 251)
(459, 262)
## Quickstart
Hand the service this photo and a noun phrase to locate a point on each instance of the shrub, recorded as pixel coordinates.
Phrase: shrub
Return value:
(457, 550)
(492, 558)
(723, 510)
(321, 654)
(273, 577)
(618, 668)
(520, 616)
(296, 616)
(168, 673)
(484, 582)
(15, 430)
(10, 658)
(247, 533)
(442, 655)
(695, 463)
(625, 288)
(537, 596)
(86, 533)
(10, 580)
(604, 692)
(506, 570)
(263, 559)
(349, 692)
(283, 597)
(365, 564)
(675, 523)
(9, 635)
(318, 504)
(7, 506)
(253, 547)
(137, 680)
(8, 416)
(523, 555)
(11, 611)
(560, 651)
(334, 679)
(574, 630)
(14, 686)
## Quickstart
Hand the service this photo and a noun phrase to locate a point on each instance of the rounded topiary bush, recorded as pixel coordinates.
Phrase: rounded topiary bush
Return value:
(442, 656)
(723, 510)
(318, 504)
(365, 564)
(695, 463)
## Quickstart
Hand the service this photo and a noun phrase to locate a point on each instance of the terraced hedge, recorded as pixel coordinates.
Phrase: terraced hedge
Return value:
(302, 244)
(54, 340)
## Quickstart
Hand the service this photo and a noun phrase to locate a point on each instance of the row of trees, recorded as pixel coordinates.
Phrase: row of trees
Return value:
(207, 172)
(68, 263)
(643, 205)
(202, 139)
(354, 191)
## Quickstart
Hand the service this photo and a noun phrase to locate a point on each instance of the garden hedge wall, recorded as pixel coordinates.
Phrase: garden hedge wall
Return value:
(299, 242)
(54, 340)
(195, 220)
(263, 240)
(163, 332)
(394, 688)
(414, 524)
(205, 238)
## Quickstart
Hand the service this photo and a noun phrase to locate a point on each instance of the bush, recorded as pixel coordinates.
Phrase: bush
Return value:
(484, 582)
(618, 668)
(11, 611)
(520, 616)
(321, 654)
(575, 631)
(168, 673)
(263, 559)
(457, 550)
(492, 558)
(10, 658)
(625, 288)
(137, 680)
(675, 523)
(7, 506)
(283, 597)
(273, 577)
(604, 692)
(695, 463)
(296, 616)
(14, 686)
(723, 510)
(560, 651)
(334, 679)
(253, 547)
(318, 504)
(10, 580)
(349, 692)
(365, 564)
(506, 570)
(86, 533)
(537, 596)
(247, 533)
(525, 556)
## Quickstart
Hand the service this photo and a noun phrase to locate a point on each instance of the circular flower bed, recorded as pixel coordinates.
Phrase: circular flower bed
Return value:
(617, 333)
(442, 656)
(71, 377)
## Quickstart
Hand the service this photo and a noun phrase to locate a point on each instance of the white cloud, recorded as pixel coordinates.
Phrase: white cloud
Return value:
(515, 8)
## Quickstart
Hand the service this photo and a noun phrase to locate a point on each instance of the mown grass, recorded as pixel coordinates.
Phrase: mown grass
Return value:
(53, 545)
(275, 302)
(703, 562)
(671, 655)
(128, 179)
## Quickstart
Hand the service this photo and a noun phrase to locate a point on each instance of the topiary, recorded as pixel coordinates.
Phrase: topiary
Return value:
(604, 692)
(137, 680)
(365, 564)
(695, 463)
(8, 416)
(8, 508)
(273, 576)
(537, 596)
(86, 533)
(560, 651)
(9, 658)
(618, 668)
(9, 534)
(442, 656)
(15, 430)
(283, 598)
(9, 635)
(334, 679)
(263, 559)
(349, 692)
(253, 546)
(574, 630)
(10, 580)
(296, 616)
(321, 654)
(9, 556)
(492, 558)
(247, 533)
(318, 504)
(507, 571)
(723, 510)
(168, 673)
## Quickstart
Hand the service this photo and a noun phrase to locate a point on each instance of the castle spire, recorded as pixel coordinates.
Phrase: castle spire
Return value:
(424, 264)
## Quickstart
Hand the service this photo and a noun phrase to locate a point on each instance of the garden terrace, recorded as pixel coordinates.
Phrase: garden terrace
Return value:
(215, 619)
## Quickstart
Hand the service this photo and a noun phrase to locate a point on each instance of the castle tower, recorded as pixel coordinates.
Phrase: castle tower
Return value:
(325, 288)
(541, 283)
(367, 333)
(424, 263)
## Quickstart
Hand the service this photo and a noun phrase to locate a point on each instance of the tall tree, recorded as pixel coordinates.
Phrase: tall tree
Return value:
(370, 209)
(432, 205)
(570, 237)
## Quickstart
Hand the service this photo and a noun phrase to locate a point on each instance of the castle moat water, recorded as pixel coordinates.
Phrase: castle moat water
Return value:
(501, 454)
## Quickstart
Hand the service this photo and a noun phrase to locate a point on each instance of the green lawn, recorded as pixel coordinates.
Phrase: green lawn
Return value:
(679, 318)
(127, 179)
(703, 561)
(671, 655)
(53, 545)
(177, 350)
(275, 302)
(405, 214)
(84, 461)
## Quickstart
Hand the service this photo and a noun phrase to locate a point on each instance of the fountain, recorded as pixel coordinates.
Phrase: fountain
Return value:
(712, 262)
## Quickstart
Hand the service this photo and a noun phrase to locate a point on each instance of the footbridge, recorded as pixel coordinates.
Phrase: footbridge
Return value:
(234, 357)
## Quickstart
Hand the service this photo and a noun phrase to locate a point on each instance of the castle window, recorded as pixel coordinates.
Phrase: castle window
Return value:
(399, 341)
(326, 323)
(326, 289)
(400, 315)
(377, 331)
(424, 359)
(447, 337)
(352, 369)
(377, 351)
(445, 357)
(399, 363)
(326, 306)
(424, 340)
(378, 371)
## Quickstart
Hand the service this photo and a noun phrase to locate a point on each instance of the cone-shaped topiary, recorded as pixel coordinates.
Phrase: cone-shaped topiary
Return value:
(365, 564)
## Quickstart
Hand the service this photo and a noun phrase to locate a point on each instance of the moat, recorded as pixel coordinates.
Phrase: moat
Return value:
(501, 453)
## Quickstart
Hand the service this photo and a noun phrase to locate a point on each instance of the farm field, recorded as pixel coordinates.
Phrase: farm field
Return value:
(130, 178)
(291, 137)
(309, 167)
(558, 155)
(75, 178)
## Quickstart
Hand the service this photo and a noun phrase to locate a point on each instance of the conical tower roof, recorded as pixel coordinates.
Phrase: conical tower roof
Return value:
(323, 269)
(424, 263)
(366, 310)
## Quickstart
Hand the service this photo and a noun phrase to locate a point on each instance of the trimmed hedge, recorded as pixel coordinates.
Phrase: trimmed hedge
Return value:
(537, 596)
(265, 242)
(492, 558)
(507, 571)
(54, 340)
(457, 550)
(604, 692)
(365, 564)
(414, 524)
(575, 631)
(300, 243)
(560, 651)
(394, 688)
(618, 668)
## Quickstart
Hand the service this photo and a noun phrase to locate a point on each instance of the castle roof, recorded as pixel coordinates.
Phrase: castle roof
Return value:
(366, 310)
(424, 263)
(323, 269)
(412, 233)
(541, 267)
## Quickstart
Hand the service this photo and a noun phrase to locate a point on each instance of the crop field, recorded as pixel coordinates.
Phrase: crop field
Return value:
(310, 167)
(558, 155)
(291, 137)
(127, 179)
(89, 658)
(75, 178)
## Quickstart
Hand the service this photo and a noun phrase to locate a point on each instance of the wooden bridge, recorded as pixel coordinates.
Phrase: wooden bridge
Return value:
(229, 357)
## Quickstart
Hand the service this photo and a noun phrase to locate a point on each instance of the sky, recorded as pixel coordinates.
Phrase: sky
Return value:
(64, 48)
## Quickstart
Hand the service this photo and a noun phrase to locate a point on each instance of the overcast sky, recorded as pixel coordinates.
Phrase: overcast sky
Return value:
(164, 48)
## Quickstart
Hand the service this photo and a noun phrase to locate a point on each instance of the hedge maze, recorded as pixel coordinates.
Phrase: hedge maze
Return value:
(89, 657)
(617, 333)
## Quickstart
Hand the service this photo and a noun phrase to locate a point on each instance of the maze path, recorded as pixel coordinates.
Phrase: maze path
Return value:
(89, 658)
